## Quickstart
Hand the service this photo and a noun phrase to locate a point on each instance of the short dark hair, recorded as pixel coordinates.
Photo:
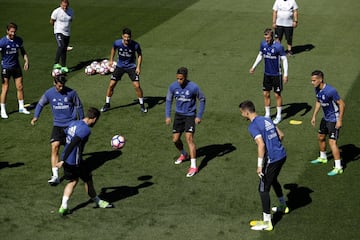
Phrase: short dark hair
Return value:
(60, 78)
(247, 105)
(11, 25)
(318, 73)
(93, 113)
(126, 31)
(268, 31)
(183, 71)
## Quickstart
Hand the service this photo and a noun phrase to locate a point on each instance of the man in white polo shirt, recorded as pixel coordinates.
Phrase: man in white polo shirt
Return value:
(285, 19)
(61, 19)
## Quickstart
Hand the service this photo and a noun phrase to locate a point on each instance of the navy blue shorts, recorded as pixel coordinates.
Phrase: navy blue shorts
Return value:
(184, 124)
(119, 72)
(329, 128)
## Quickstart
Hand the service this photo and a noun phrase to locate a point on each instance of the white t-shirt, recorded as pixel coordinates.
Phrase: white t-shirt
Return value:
(62, 20)
(285, 12)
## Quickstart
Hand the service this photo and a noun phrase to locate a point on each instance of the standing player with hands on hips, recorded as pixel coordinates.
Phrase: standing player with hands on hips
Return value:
(271, 157)
(272, 52)
(185, 93)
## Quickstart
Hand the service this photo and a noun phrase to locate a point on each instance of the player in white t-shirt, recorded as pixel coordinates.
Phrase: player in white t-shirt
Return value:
(61, 19)
(285, 19)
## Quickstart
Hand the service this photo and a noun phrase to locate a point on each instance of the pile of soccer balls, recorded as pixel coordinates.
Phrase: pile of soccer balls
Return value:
(101, 68)
(118, 141)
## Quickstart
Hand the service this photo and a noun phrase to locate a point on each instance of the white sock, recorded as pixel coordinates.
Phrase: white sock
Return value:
(3, 109)
(21, 104)
(64, 202)
(323, 155)
(193, 163)
(107, 100)
(338, 163)
(267, 111)
(55, 171)
(141, 101)
(278, 115)
(266, 217)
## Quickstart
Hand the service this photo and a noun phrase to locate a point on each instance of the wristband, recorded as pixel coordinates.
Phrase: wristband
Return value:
(260, 162)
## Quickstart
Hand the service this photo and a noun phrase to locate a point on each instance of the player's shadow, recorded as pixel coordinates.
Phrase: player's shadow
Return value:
(297, 197)
(11, 165)
(149, 101)
(95, 160)
(83, 64)
(302, 48)
(212, 151)
(292, 109)
(117, 193)
(114, 194)
(349, 153)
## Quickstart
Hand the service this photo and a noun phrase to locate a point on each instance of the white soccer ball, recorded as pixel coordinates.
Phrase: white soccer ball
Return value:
(94, 64)
(118, 141)
(105, 62)
(89, 70)
(55, 72)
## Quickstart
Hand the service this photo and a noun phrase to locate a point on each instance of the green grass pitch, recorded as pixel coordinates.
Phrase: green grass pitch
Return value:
(218, 41)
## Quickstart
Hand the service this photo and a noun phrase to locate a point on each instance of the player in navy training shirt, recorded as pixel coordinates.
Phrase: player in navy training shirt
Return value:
(272, 52)
(333, 108)
(10, 46)
(127, 51)
(77, 135)
(66, 107)
(185, 93)
(271, 157)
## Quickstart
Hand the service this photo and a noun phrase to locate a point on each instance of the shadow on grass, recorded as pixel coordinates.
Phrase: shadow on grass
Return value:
(292, 109)
(117, 193)
(212, 151)
(11, 165)
(349, 153)
(97, 159)
(114, 194)
(150, 101)
(28, 106)
(298, 197)
(302, 48)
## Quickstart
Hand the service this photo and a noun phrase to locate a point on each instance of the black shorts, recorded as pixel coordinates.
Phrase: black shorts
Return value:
(11, 72)
(329, 128)
(184, 124)
(62, 41)
(58, 135)
(288, 31)
(119, 72)
(73, 172)
(272, 82)
(271, 172)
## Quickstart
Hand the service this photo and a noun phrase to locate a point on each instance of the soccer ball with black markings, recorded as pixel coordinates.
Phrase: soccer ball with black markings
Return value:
(118, 141)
